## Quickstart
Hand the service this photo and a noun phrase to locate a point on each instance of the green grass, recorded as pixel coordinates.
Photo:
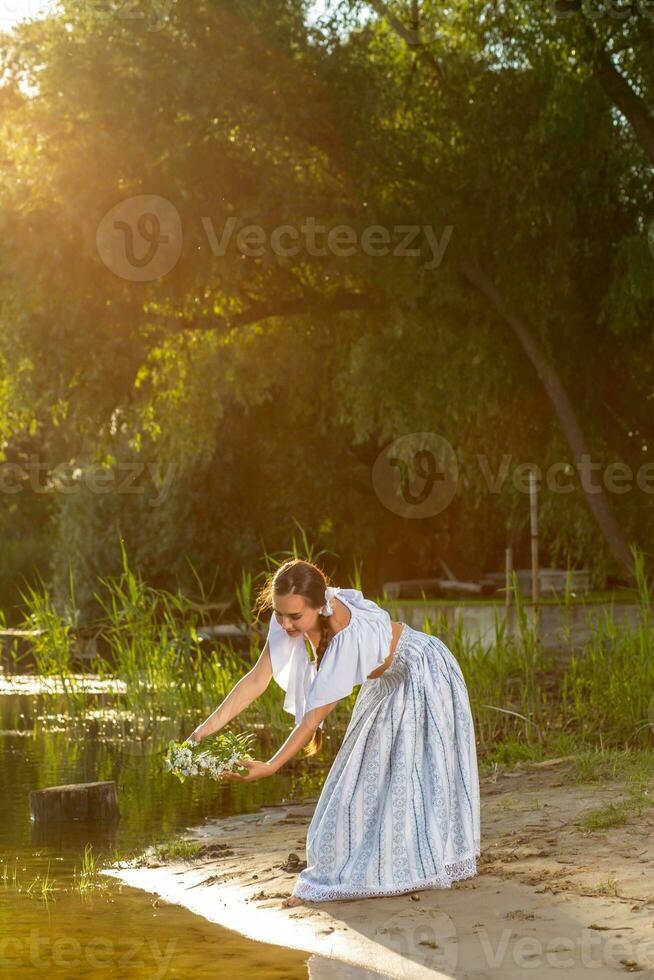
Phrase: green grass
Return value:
(511, 752)
(52, 644)
(179, 847)
(38, 887)
(607, 887)
(635, 766)
(528, 704)
(615, 814)
(42, 887)
(88, 878)
(9, 876)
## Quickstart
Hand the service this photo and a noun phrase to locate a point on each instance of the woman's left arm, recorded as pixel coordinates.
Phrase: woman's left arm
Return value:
(298, 738)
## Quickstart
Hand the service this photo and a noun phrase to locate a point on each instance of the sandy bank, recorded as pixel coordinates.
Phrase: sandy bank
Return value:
(550, 898)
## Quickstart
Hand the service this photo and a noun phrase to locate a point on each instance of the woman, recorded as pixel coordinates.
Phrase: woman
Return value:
(399, 810)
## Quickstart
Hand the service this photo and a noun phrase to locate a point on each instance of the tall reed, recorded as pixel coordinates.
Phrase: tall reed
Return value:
(52, 640)
(607, 693)
(153, 642)
(524, 698)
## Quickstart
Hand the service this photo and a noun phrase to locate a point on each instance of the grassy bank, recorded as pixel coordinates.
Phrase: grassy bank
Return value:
(528, 704)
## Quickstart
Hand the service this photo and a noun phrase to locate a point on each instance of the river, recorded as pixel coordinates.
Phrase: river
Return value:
(108, 929)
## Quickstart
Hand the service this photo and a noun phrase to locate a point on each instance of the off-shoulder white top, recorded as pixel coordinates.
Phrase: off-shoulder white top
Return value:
(351, 654)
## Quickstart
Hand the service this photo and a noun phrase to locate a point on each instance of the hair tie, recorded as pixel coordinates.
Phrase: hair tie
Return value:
(327, 609)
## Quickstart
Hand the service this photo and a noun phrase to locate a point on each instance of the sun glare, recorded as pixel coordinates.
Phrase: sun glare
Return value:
(13, 12)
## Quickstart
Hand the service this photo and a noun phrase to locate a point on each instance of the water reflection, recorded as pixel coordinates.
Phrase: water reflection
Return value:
(113, 930)
(34, 684)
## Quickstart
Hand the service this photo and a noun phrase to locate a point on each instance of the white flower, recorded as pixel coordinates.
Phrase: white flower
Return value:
(224, 753)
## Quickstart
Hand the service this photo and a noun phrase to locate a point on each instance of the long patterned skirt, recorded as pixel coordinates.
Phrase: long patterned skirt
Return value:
(399, 810)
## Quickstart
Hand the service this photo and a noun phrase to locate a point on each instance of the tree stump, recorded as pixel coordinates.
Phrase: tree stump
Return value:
(79, 801)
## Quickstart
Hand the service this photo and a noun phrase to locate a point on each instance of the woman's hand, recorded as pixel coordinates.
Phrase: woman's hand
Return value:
(196, 735)
(257, 771)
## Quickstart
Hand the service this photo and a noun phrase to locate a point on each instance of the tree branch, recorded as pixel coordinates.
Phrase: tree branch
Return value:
(412, 37)
(256, 312)
(627, 100)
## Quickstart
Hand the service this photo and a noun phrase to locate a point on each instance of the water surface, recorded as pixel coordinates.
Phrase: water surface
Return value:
(115, 931)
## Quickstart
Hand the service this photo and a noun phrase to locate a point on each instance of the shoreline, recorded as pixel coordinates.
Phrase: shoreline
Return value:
(548, 895)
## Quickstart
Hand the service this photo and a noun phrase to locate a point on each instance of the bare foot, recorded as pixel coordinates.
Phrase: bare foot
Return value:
(291, 902)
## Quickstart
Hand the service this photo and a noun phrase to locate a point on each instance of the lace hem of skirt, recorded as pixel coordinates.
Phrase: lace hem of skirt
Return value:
(464, 868)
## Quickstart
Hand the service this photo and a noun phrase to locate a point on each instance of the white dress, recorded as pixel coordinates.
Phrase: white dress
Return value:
(399, 810)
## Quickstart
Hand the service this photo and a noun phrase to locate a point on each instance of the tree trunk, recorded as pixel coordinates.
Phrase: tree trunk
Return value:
(79, 801)
(549, 377)
(636, 112)
(628, 102)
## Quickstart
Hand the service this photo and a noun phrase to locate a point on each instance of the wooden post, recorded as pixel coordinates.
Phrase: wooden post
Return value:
(81, 801)
(508, 589)
(533, 523)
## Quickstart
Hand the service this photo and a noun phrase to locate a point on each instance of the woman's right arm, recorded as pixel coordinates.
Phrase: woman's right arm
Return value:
(244, 692)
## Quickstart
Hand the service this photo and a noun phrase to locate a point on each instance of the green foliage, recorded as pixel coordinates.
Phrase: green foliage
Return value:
(179, 847)
(526, 699)
(527, 702)
(250, 375)
(212, 757)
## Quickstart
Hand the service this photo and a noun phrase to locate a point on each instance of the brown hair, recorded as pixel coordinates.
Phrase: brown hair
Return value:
(300, 577)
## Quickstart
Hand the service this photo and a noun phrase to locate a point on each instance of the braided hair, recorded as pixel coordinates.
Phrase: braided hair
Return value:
(300, 577)
(326, 634)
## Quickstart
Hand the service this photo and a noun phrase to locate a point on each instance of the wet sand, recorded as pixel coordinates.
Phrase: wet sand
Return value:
(549, 896)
